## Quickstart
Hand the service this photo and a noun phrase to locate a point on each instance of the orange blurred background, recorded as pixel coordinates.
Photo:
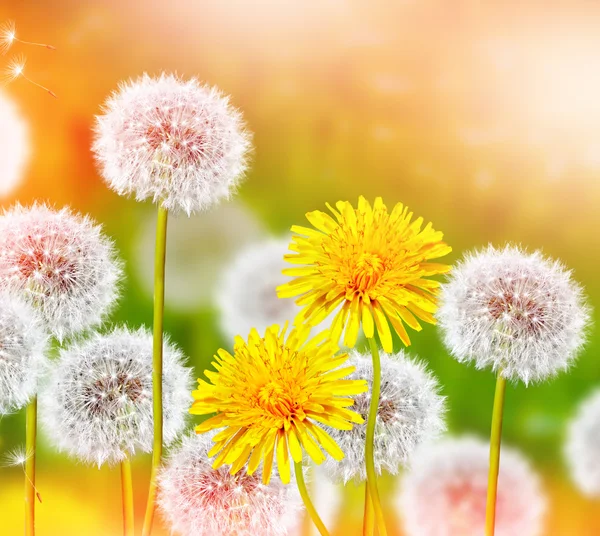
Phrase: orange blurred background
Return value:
(482, 117)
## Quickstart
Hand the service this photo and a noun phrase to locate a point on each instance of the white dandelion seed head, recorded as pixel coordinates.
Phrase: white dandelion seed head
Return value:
(582, 448)
(515, 312)
(411, 412)
(97, 403)
(246, 293)
(444, 493)
(14, 146)
(62, 264)
(23, 345)
(196, 499)
(177, 142)
(221, 232)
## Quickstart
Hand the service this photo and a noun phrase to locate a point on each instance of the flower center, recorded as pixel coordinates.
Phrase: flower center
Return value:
(367, 272)
(111, 393)
(275, 399)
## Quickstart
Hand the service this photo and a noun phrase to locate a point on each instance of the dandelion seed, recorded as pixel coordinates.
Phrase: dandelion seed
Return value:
(411, 413)
(444, 492)
(16, 69)
(177, 142)
(8, 36)
(269, 396)
(372, 265)
(16, 457)
(97, 404)
(196, 499)
(23, 344)
(520, 314)
(61, 263)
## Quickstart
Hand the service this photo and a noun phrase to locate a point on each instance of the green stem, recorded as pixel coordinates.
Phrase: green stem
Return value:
(307, 502)
(370, 442)
(157, 362)
(368, 519)
(127, 495)
(30, 442)
(495, 440)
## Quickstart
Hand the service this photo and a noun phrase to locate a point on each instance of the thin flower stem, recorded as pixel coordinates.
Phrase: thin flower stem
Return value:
(368, 519)
(495, 440)
(307, 502)
(157, 362)
(127, 494)
(370, 442)
(30, 442)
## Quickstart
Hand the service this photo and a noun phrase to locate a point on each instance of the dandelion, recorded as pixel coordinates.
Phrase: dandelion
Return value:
(8, 36)
(221, 232)
(196, 499)
(521, 315)
(583, 446)
(410, 413)
(181, 144)
(375, 267)
(16, 69)
(247, 295)
(23, 345)
(97, 404)
(268, 398)
(177, 142)
(444, 493)
(14, 146)
(61, 263)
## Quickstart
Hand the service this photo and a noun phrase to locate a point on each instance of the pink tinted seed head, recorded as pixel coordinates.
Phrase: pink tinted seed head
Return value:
(62, 264)
(177, 142)
(196, 499)
(517, 313)
(444, 492)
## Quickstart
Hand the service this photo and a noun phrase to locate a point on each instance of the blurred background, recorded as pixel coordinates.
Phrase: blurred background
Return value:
(484, 119)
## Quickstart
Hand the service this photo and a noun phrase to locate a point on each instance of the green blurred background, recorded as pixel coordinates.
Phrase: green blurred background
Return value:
(481, 117)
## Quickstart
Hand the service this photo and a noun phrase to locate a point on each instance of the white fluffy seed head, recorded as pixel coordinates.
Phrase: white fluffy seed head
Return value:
(23, 345)
(177, 142)
(97, 402)
(411, 412)
(62, 264)
(14, 146)
(582, 448)
(518, 313)
(196, 499)
(444, 493)
(247, 296)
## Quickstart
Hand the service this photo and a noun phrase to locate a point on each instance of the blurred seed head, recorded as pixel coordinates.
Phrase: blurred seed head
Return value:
(582, 449)
(97, 403)
(411, 412)
(515, 312)
(177, 142)
(247, 296)
(196, 499)
(14, 146)
(23, 345)
(444, 493)
(62, 264)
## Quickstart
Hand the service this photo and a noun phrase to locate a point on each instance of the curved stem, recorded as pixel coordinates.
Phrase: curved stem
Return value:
(495, 440)
(368, 519)
(127, 495)
(370, 443)
(307, 502)
(30, 442)
(157, 362)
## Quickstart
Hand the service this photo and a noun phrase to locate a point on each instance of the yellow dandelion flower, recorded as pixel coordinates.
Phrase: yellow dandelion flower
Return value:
(268, 397)
(371, 264)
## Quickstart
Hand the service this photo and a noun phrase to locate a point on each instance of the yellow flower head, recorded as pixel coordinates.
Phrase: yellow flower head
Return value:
(372, 263)
(268, 397)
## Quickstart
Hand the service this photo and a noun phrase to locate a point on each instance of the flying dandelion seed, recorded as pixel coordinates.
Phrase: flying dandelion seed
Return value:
(14, 146)
(16, 69)
(17, 458)
(8, 36)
